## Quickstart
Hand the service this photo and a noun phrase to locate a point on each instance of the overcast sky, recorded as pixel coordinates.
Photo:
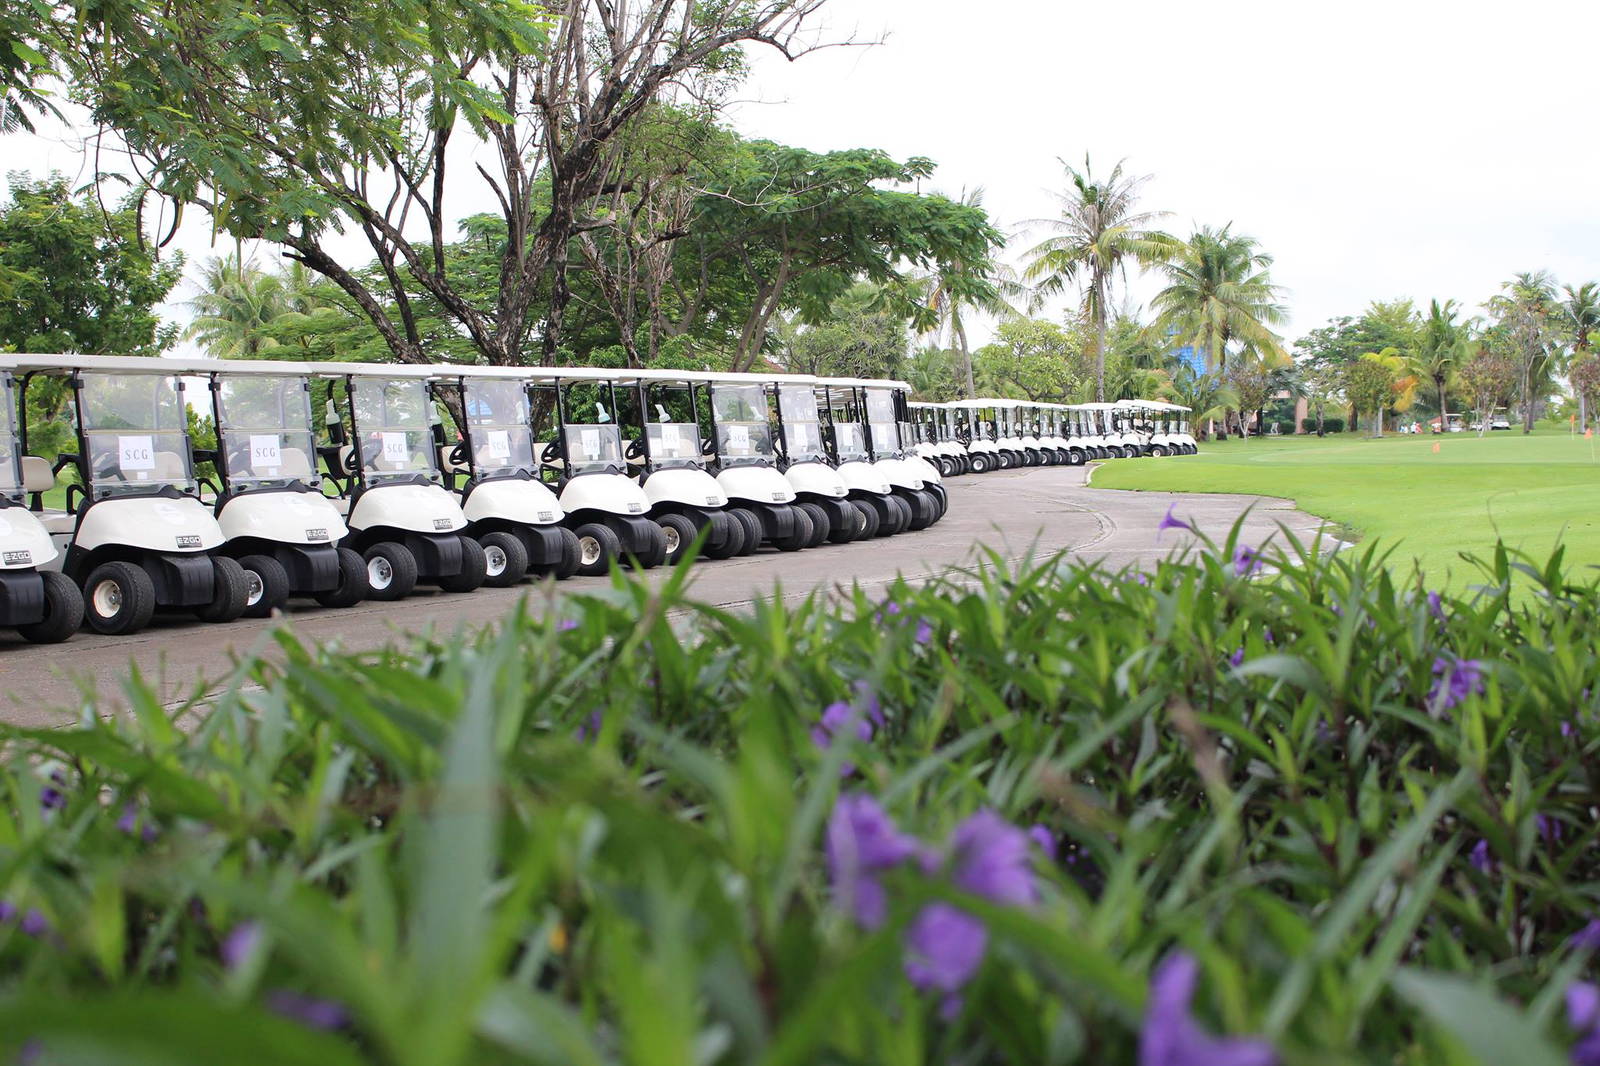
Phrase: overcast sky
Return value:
(1406, 148)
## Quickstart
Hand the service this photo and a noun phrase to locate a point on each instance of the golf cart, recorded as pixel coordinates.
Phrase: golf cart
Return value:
(747, 462)
(819, 489)
(669, 458)
(976, 430)
(43, 606)
(1016, 414)
(277, 523)
(940, 445)
(135, 533)
(882, 403)
(844, 435)
(383, 458)
(493, 469)
(606, 508)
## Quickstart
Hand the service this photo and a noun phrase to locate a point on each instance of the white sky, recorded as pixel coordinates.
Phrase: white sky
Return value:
(1408, 148)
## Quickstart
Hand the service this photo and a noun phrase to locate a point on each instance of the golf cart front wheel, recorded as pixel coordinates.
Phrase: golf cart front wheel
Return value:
(680, 532)
(474, 569)
(597, 546)
(980, 463)
(118, 598)
(505, 560)
(267, 584)
(230, 591)
(726, 538)
(653, 551)
(800, 536)
(821, 524)
(352, 587)
(63, 611)
(391, 571)
(753, 533)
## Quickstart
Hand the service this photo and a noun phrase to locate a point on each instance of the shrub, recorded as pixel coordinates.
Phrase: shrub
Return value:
(629, 827)
(1329, 425)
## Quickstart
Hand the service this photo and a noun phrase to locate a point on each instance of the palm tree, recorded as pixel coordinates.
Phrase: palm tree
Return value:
(1220, 290)
(1096, 235)
(957, 286)
(1523, 312)
(237, 301)
(1580, 315)
(1442, 345)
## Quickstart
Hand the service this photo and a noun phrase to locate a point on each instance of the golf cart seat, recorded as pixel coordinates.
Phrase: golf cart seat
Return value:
(58, 522)
(295, 463)
(36, 475)
(169, 467)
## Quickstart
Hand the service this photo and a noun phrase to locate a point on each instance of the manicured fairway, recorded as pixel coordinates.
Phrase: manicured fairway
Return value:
(1532, 491)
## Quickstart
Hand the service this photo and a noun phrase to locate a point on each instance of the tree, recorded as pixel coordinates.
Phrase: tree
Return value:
(1249, 377)
(1030, 359)
(288, 121)
(957, 286)
(24, 63)
(236, 304)
(1377, 381)
(1094, 237)
(80, 279)
(861, 337)
(1204, 392)
(1579, 315)
(1442, 343)
(936, 374)
(1487, 377)
(1584, 374)
(1523, 332)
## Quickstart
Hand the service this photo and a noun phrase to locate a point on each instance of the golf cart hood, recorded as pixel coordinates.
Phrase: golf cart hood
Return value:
(407, 506)
(686, 485)
(282, 517)
(758, 484)
(513, 499)
(151, 523)
(899, 473)
(24, 543)
(816, 479)
(863, 477)
(612, 493)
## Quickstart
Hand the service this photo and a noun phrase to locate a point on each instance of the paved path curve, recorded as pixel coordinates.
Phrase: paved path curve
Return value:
(1019, 513)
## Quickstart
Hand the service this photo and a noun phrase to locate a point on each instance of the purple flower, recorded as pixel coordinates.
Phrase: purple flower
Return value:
(1141, 578)
(1454, 682)
(1172, 1038)
(34, 923)
(944, 948)
(890, 607)
(1246, 560)
(1550, 830)
(1236, 660)
(1587, 938)
(1171, 522)
(1583, 1015)
(8, 910)
(862, 842)
(590, 728)
(1045, 840)
(991, 860)
(52, 799)
(1569, 728)
(240, 943)
(1267, 637)
(837, 717)
(149, 833)
(30, 1052)
(1436, 606)
(129, 820)
(868, 700)
(567, 625)
(924, 632)
(1479, 857)
(308, 1010)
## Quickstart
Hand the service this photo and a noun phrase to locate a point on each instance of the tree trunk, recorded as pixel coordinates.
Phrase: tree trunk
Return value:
(1100, 356)
(966, 360)
(1444, 423)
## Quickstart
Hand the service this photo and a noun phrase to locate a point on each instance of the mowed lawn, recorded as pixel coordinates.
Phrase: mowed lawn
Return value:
(1532, 491)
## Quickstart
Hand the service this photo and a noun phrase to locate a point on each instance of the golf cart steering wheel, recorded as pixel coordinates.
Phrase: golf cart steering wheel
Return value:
(351, 463)
(708, 446)
(551, 453)
(635, 449)
(458, 453)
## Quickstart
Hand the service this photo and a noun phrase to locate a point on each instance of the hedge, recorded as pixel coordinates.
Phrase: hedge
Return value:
(1265, 803)
(1329, 425)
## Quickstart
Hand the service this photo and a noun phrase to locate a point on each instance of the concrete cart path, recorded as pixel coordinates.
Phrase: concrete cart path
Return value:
(1018, 512)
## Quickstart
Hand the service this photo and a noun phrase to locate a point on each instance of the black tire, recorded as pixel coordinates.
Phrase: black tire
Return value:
(474, 568)
(979, 462)
(1075, 457)
(597, 547)
(118, 598)
(726, 538)
(391, 571)
(653, 552)
(505, 559)
(850, 529)
(352, 587)
(63, 611)
(268, 584)
(871, 521)
(230, 591)
(800, 537)
(680, 531)
(753, 533)
(924, 509)
(899, 516)
(571, 556)
(821, 524)
(1159, 451)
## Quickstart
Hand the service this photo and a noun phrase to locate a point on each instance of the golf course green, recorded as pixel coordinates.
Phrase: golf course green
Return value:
(1432, 506)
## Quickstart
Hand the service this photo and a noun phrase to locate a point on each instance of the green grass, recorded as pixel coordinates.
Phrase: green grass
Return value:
(1532, 491)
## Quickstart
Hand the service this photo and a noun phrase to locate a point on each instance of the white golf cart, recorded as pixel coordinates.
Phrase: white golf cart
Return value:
(43, 606)
(509, 510)
(747, 464)
(917, 467)
(803, 457)
(279, 526)
(880, 403)
(1058, 433)
(938, 433)
(667, 453)
(135, 533)
(844, 435)
(975, 428)
(383, 458)
(606, 509)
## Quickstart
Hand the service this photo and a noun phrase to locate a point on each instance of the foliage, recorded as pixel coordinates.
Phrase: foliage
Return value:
(1377, 382)
(1442, 344)
(600, 835)
(1095, 235)
(1206, 395)
(1248, 377)
(936, 374)
(1487, 377)
(1219, 291)
(1524, 333)
(1584, 375)
(78, 278)
(25, 63)
(1323, 425)
(1031, 359)
(861, 337)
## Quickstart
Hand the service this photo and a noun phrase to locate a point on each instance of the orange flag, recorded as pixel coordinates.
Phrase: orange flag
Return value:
(1435, 447)
(1588, 433)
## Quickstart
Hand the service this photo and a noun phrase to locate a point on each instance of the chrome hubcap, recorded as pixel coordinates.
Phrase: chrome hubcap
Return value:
(379, 572)
(673, 540)
(256, 586)
(107, 598)
(589, 551)
(495, 559)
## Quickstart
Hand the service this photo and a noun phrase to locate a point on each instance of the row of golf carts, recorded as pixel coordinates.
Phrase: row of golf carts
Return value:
(453, 476)
(979, 435)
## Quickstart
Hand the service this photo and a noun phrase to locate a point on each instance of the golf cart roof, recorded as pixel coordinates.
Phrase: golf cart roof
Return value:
(372, 370)
(22, 362)
(864, 383)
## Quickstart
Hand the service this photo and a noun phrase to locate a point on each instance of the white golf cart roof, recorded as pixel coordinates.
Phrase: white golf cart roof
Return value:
(373, 370)
(113, 364)
(864, 383)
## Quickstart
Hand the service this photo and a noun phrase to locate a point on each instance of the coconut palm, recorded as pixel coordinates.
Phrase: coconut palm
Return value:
(1442, 345)
(236, 303)
(1525, 313)
(1579, 315)
(957, 287)
(1096, 235)
(1220, 290)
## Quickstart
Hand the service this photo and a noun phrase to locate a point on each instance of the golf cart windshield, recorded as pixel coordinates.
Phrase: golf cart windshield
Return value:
(881, 420)
(394, 429)
(593, 448)
(10, 468)
(744, 434)
(136, 431)
(802, 430)
(498, 428)
(265, 432)
(674, 444)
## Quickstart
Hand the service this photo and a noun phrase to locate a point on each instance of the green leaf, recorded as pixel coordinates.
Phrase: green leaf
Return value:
(1489, 1030)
